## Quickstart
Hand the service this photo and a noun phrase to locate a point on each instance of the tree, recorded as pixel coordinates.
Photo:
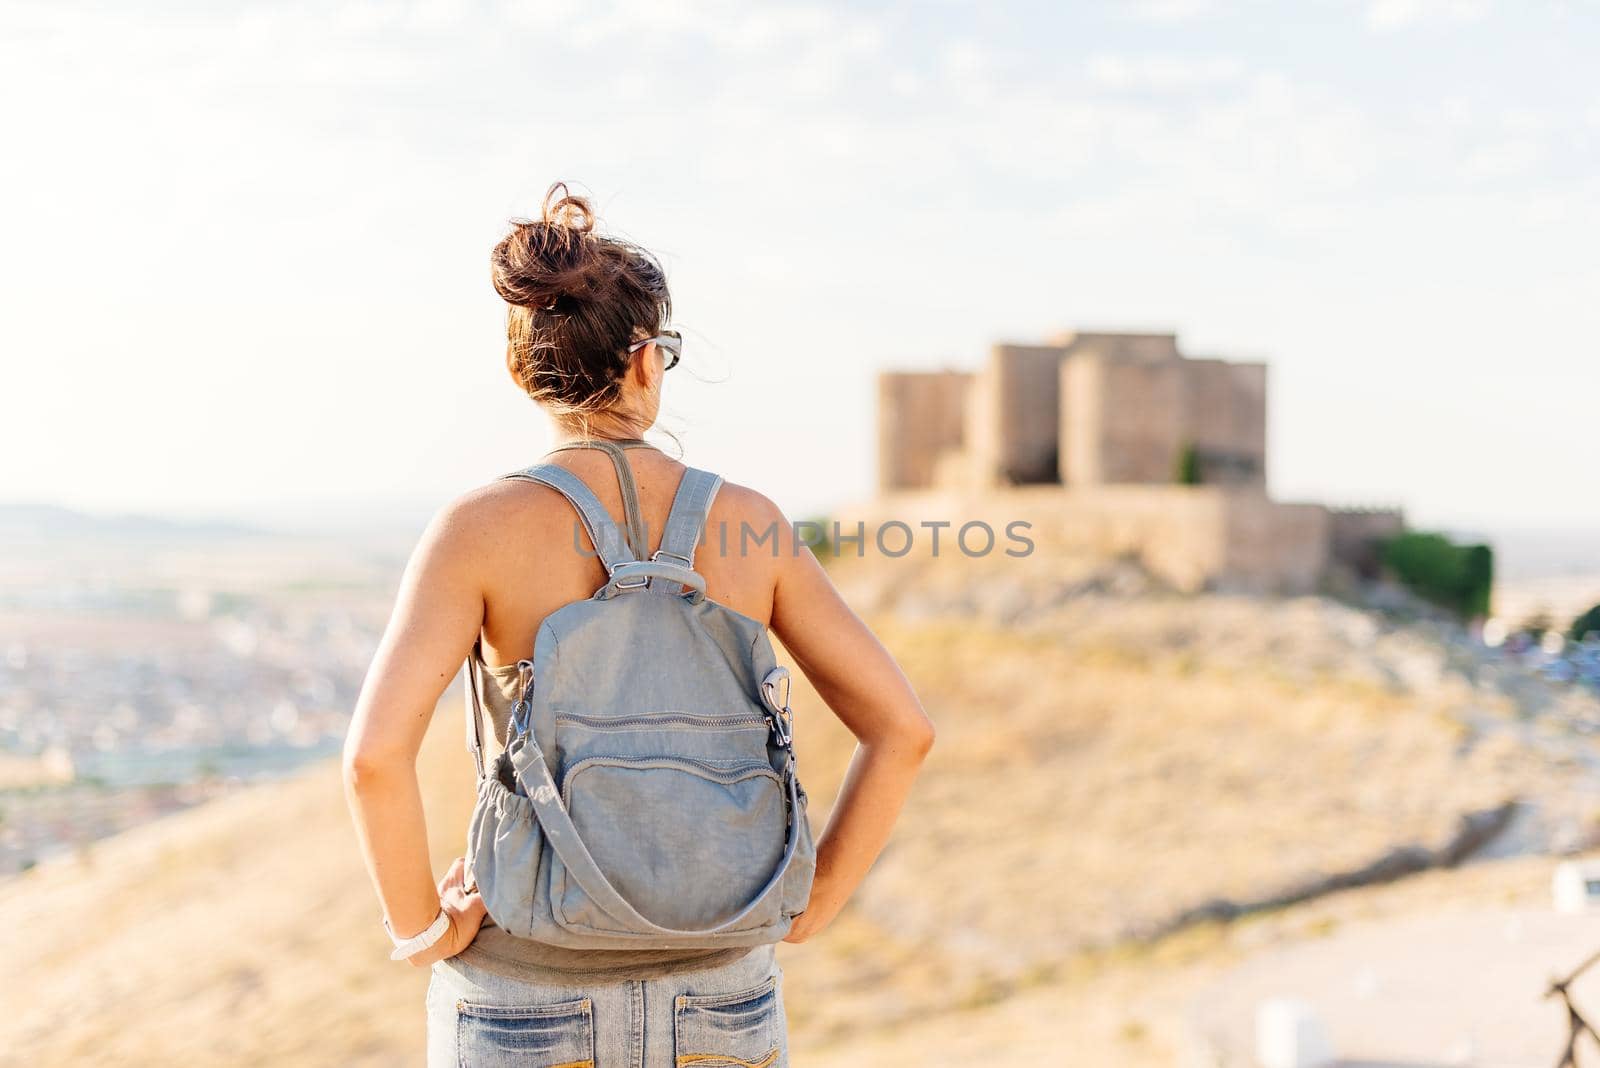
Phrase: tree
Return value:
(1586, 624)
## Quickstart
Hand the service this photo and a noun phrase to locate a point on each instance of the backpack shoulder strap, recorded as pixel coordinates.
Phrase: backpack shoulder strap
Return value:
(609, 543)
(687, 519)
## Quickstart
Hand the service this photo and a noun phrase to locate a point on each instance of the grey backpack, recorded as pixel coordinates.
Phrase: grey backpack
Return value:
(647, 795)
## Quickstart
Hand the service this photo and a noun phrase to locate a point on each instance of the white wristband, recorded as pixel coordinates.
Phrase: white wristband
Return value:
(408, 947)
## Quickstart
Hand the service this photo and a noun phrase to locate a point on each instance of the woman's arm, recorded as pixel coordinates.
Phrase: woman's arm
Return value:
(437, 617)
(861, 683)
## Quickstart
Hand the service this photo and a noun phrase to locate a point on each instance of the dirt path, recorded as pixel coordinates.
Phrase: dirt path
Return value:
(1454, 987)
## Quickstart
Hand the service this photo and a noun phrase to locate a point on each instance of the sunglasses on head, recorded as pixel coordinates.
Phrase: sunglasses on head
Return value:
(669, 340)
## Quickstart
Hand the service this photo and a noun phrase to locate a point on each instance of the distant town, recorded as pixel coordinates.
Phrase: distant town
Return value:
(142, 672)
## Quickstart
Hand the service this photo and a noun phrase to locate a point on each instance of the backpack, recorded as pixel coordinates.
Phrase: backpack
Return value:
(647, 796)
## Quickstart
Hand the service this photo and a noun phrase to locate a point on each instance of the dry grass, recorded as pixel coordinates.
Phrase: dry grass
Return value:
(1092, 777)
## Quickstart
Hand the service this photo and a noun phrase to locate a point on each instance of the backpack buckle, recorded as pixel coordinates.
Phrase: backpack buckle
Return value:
(778, 711)
(671, 558)
(522, 710)
(625, 583)
(783, 727)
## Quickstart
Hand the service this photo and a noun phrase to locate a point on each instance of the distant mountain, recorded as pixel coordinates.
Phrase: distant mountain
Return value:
(1536, 554)
(27, 521)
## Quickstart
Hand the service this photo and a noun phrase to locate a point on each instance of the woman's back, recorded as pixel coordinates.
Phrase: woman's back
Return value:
(554, 566)
(536, 557)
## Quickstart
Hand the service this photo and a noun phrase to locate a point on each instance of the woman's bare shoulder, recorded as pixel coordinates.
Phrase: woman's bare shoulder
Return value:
(745, 521)
(504, 499)
(744, 502)
(504, 513)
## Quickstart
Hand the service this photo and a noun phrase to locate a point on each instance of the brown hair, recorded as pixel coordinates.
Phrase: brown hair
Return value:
(577, 300)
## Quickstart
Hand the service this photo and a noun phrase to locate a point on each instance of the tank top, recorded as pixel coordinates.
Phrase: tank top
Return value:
(495, 950)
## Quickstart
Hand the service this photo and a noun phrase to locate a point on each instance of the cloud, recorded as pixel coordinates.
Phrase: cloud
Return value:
(1386, 16)
(1169, 11)
(1160, 73)
(733, 30)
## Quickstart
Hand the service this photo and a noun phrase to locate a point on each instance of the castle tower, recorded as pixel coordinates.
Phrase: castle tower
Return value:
(1013, 416)
(1133, 404)
(1085, 409)
(921, 418)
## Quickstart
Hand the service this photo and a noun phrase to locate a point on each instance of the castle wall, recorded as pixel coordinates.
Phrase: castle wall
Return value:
(1129, 405)
(1082, 429)
(920, 417)
(1355, 535)
(1225, 416)
(1013, 418)
(1121, 421)
(1272, 546)
(1127, 348)
(1193, 537)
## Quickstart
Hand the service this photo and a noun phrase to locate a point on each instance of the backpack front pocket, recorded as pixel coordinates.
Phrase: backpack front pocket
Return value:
(687, 842)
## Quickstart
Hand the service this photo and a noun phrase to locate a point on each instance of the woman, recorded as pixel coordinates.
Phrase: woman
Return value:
(587, 315)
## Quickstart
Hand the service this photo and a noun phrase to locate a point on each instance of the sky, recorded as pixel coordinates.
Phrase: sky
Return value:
(245, 259)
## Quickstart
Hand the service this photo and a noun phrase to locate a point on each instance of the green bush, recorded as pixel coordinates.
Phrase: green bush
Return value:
(1186, 471)
(1456, 577)
(1589, 621)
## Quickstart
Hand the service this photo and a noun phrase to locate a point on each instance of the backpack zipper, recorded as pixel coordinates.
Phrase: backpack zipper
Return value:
(726, 773)
(692, 720)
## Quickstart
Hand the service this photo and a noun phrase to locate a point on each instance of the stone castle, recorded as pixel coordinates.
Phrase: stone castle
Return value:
(1114, 443)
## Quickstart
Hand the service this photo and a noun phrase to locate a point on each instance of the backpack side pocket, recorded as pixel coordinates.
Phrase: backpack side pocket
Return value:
(803, 868)
(505, 846)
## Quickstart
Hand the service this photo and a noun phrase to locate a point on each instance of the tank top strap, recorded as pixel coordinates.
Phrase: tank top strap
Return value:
(632, 513)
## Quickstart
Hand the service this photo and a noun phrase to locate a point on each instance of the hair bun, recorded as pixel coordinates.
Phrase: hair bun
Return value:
(567, 211)
(578, 298)
(553, 260)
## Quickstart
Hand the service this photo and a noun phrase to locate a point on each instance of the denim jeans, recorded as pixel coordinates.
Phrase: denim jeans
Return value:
(730, 1016)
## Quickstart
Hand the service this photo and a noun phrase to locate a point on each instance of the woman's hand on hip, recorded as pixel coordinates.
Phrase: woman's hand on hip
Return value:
(825, 903)
(466, 912)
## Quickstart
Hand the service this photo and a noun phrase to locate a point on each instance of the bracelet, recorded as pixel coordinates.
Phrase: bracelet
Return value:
(410, 947)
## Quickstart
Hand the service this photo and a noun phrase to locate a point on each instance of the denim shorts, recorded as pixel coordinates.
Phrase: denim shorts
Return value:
(730, 1016)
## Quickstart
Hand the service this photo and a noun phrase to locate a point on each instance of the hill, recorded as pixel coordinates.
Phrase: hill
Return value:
(1117, 769)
